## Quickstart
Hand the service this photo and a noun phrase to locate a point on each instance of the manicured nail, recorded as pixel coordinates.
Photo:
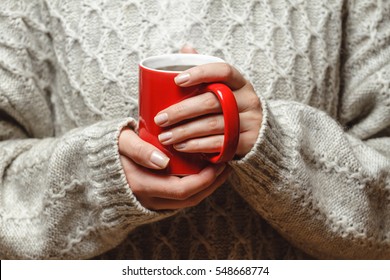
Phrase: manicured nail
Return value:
(180, 146)
(161, 118)
(164, 137)
(182, 78)
(159, 159)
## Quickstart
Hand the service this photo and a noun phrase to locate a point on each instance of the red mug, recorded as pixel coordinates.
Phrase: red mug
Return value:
(157, 91)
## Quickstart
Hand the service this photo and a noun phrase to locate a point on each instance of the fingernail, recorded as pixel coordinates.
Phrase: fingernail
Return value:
(182, 78)
(161, 118)
(164, 137)
(159, 159)
(180, 146)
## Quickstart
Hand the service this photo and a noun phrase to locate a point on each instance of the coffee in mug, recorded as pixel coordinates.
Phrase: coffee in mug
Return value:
(175, 68)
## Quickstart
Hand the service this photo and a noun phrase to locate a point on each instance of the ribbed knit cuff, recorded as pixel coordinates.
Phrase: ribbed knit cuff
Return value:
(119, 209)
(263, 165)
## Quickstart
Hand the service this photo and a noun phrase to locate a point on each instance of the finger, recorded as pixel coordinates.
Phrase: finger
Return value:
(140, 151)
(246, 142)
(190, 137)
(187, 49)
(181, 188)
(180, 192)
(210, 125)
(146, 185)
(246, 99)
(158, 203)
(142, 180)
(209, 73)
(210, 144)
(206, 103)
(202, 104)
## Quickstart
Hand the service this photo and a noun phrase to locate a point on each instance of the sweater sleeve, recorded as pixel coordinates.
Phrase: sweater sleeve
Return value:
(66, 197)
(61, 196)
(324, 182)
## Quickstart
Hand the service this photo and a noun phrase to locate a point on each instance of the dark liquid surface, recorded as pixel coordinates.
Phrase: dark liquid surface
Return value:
(175, 67)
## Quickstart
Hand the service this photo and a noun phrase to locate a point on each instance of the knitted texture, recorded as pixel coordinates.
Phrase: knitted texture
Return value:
(315, 185)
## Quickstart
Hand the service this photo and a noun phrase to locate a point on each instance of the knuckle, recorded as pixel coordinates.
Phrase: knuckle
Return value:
(252, 120)
(211, 101)
(181, 194)
(214, 124)
(198, 72)
(138, 151)
(217, 142)
(227, 71)
(207, 180)
(179, 109)
(193, 144)
(254, 102)
(182, 132)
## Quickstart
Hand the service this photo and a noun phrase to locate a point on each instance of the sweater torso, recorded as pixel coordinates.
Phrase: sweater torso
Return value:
(81, 67)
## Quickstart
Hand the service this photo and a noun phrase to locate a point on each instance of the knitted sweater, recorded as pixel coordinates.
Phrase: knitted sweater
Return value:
(315, 185)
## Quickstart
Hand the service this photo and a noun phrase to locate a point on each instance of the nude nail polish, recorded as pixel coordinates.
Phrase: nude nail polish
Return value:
(159, 159)
(164, 137)
(182, 78)
(161, 118)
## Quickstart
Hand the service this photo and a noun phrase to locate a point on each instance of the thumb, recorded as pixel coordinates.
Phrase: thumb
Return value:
(140, 151)
(187, 49)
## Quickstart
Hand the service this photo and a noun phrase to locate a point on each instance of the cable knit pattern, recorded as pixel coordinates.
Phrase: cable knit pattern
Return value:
(315, 185)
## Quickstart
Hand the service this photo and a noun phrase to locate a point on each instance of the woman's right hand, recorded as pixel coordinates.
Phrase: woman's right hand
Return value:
(163, 192)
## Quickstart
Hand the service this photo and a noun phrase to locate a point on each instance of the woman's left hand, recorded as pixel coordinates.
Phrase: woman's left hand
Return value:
(204, 134)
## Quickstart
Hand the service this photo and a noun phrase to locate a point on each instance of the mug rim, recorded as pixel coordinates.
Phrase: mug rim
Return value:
(164, 60)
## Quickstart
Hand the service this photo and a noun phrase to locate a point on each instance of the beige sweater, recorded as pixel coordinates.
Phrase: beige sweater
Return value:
(316, 184)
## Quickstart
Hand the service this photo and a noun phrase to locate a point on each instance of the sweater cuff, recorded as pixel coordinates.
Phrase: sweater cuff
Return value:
(266, 160)
(119, 210)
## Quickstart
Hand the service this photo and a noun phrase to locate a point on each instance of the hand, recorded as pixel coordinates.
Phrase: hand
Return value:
(205, 132)
(158, 192)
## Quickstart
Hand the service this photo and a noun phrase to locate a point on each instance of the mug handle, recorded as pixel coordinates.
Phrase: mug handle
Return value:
(231, 119)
